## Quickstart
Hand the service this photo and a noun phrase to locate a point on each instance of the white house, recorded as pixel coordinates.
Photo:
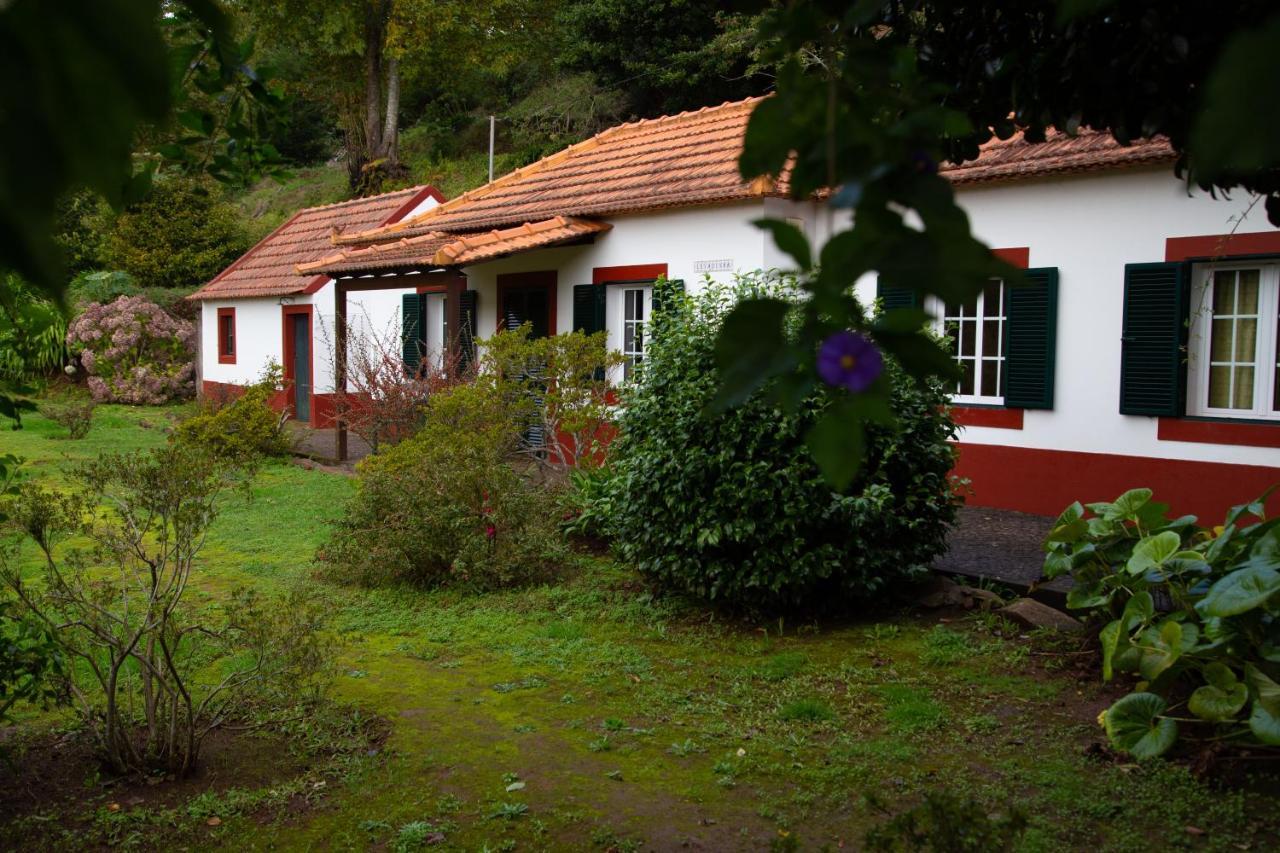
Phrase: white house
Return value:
(1144, 351)
(259, 310)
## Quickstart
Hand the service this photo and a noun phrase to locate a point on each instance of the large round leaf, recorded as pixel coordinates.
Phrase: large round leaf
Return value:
(1153, 551)
(1240, 591)
(1134, 725)
(1222, 698)
(1265, 724)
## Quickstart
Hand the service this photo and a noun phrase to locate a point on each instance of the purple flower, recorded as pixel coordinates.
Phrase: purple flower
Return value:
(850, 360)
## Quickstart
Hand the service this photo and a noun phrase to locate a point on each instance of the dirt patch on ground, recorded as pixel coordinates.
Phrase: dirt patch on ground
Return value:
(62, 773)
(59, 779)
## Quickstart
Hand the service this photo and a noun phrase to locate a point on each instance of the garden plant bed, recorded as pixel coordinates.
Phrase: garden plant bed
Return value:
(590, 714)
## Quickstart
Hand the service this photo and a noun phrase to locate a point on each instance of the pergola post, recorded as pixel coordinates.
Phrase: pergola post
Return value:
(340, 365)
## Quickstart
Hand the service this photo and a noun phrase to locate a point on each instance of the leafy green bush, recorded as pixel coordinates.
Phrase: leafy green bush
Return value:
(730, 506)
(32, 332)
(180, 236)
(32, 666)
(446, 507)
(1194, 612)
(243, 427)
(75, 415)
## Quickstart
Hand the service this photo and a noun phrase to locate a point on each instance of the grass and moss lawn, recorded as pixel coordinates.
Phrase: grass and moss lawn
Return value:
(589, 714)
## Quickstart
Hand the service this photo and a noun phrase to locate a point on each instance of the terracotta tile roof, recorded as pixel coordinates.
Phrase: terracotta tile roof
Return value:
(674, 161)
(1090, 150)
(437, 249)
(692, 158)
(269, 268)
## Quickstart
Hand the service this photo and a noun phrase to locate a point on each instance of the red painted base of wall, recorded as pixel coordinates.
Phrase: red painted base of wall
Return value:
(321, 404)
(1046, 481)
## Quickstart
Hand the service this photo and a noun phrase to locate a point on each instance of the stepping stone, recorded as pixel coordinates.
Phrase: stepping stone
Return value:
(1033, 614)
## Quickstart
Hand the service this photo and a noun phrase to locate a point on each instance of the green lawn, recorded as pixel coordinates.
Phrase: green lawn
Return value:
(636, 723)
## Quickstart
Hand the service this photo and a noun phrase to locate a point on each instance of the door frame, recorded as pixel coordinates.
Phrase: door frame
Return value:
(542, 279)
(287, 359)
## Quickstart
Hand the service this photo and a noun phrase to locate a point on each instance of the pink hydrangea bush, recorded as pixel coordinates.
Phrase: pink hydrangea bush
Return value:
(134, 351)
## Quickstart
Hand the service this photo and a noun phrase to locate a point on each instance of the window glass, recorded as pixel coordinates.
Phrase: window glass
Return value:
(633, 320)
(1233, 344)
(976, 338)
(1234, 357)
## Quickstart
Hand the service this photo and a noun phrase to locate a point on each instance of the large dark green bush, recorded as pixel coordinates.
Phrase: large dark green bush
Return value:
(730, 506)
(446, 507)
(180, 236)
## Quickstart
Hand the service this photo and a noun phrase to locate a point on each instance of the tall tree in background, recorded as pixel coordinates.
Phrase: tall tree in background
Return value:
(667, 55)
(359, 54)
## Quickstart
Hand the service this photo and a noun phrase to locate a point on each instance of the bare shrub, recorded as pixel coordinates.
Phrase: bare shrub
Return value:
(152, 675)
(383, 401)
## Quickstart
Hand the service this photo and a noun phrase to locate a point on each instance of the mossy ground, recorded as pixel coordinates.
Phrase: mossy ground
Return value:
(590, 715)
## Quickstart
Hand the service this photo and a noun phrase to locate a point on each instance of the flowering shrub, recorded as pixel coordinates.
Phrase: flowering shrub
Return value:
(729, 505)
(134, 352)
(446, 507)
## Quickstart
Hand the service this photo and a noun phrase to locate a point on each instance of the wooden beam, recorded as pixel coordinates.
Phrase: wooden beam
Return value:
(340, 365)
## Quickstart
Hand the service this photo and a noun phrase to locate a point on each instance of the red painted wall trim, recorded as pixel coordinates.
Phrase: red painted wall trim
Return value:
(224, 392)
(987, 416)
(1219, 432)
(286, 354)
(1019, 257)
(632, 272)
(1221, 245)
(541, 278)
(433, 288)
(315, 285)
(226, 357)
(1046, 481)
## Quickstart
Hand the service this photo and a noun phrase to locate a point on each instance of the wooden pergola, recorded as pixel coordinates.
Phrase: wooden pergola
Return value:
(452, 280)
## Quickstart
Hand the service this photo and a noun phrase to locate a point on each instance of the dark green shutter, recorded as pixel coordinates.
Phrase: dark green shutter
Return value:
(410, 330)
(467, 333)
(1031, 332)
(588, 308)
(1153, 378)
(891, 296)
(666, 292)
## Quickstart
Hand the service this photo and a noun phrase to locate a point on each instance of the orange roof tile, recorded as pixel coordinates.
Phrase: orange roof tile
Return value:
(1088, 151)
(437, 249)
(269, 268)
(674, 161)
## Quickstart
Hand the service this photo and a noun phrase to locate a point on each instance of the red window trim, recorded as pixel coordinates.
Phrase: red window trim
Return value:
(226, 357)
(628, 274)
(998, 417)
(1242, 433)
(1208, 246)
(286, 361)
(541, 278)
(1019, 256)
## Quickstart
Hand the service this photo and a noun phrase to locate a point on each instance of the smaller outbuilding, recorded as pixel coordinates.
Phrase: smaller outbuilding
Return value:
(259, 311)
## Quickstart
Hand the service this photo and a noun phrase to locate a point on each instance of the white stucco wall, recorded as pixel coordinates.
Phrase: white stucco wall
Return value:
(1089, 227)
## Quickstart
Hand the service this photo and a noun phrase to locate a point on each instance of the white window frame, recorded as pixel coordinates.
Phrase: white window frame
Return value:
(434, 334)
(940, 312)
(1201, 338)
(616, 298)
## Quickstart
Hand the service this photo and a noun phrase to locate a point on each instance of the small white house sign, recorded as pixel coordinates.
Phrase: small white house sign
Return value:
(717, 265)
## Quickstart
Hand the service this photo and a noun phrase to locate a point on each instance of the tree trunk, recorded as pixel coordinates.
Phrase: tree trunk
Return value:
(391, 128)
(373, 37)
